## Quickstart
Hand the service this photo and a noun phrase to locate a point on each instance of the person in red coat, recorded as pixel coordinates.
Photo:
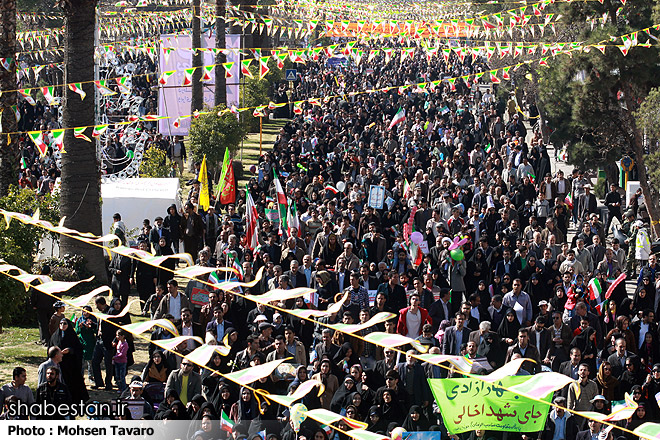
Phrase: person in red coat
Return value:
(412, 318)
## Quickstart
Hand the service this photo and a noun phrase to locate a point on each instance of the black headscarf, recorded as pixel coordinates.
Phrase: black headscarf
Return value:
(509, 329)
(392, 411)
(182, 413)
(219, 403)
(420, 425)
(339, 400)
(247, 410)
(380, 426)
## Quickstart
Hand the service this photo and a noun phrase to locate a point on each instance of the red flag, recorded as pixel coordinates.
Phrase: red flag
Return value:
(228, 194)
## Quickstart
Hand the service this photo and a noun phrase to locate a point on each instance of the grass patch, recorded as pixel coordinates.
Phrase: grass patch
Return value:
(250, 149)
(18, 349)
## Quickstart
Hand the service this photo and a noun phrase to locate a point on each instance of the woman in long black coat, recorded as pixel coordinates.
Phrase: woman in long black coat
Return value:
(71, 366)
(144, 276)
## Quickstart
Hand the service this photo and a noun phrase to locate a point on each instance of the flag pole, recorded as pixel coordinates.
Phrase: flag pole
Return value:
(261, 120)
(226, 265)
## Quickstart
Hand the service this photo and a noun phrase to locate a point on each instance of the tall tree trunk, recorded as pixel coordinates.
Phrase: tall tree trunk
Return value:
(8, 144)
(197, 101)
(220, 96)
(81, 175)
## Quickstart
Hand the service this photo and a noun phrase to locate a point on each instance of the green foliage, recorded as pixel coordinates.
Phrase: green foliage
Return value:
(69, 267)
(155, 163)
(601, 188)
(19, 245)
(41, 6)
(648, 119)
(210, 134)
(653, 169)
(589, 97)
(255, 92)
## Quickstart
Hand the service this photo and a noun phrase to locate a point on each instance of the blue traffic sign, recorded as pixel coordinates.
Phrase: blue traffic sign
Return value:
(291, 74)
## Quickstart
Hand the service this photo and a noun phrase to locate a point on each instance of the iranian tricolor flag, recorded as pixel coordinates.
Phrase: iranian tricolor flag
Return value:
(48, 94)
(281, 203)
(99, 130)
(569, 200)
(165, 76)
(331, 188)
(58, 139)
(263, 67)
(595, 290)
(38, 139)
(228, 67)
(206, 73)
(79, 133)
(103, 89)
(488, 148)
(77, 88)
(187, 76)
(251, 221)
(399, 117)
(122, 84)
(406, 189)
(25, 93)
(226, 423)
(235, 264)
(245, 68)
(293, 221)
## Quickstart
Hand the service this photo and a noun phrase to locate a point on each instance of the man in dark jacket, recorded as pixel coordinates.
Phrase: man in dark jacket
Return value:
(172, 223)
(456, 336)
(588, 434)
(103, 349)
(413, 379)
(192, 230)
(53, 392)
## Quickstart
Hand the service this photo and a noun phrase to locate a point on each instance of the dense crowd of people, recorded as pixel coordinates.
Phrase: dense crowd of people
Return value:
(460, 166)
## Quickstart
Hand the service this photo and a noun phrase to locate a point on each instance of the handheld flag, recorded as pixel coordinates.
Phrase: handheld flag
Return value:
(400, 116)
(251, 221)
(204, 196)
(281, 202)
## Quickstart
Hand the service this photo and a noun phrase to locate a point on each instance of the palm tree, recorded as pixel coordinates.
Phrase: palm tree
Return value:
(8, 144)
(81, 175)
(197, 100)
(220, 96)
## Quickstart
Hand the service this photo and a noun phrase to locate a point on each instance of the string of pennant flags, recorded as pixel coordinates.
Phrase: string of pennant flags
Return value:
(488, 49)
(516, 16)
(536, 388)
(38, 137)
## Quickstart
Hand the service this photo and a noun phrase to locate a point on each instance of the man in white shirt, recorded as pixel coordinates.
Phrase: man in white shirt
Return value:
(173, 302)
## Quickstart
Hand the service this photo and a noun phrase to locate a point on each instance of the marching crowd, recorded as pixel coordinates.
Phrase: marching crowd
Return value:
(536, 259)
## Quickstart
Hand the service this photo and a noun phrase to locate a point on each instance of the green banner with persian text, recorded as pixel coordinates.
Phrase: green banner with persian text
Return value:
(469, 404)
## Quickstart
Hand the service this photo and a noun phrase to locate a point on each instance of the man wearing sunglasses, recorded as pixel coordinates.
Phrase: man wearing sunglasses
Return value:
(185, 382)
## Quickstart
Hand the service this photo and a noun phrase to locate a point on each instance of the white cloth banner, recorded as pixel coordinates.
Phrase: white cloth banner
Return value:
(173, 99)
